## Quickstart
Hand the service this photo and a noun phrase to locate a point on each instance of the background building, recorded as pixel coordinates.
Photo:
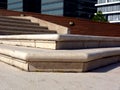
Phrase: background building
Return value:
(32, 6)
(71, 8)
(3, 4)
(16, 5)
(52, 7)
(111, 9)
(24, 5)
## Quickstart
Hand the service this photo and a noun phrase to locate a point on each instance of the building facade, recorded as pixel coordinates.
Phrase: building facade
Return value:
(24, 5)
(3, 4)
(16, 5)
(32, 6)
(71, 8)
(52, 7)
(111, 9)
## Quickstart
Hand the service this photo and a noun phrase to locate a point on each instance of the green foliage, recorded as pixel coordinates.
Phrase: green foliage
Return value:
(99, 17)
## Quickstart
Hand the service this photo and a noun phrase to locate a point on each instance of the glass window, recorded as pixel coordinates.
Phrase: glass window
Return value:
(52, 7)
(112, 0)
(16, 5)
(54, 12)
(49, 1)
(109, 8)
(101, 1)
(114, 17)
(105, 1)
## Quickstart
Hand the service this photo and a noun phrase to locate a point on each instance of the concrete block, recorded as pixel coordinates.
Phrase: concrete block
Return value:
(45, 44)
(55, 41)
(91, 44)
(33, 59)
(56, 66)
(69, 45)
(27, 43)
(14, 62)
(109, 44)
(93, 64)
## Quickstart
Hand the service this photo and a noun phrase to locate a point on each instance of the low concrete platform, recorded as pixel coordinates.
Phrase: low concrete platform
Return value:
(107, 78)
(56, 41)
(33, 59)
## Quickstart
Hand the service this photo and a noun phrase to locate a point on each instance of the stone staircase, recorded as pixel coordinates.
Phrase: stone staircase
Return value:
(10, 26)
(64, 53)
(32, 47)
(60, 42)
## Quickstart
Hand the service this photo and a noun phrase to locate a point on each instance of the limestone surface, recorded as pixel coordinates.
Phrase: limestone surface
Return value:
(107, 78)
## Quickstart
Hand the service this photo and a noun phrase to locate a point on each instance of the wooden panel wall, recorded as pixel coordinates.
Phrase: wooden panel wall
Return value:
(82, 26)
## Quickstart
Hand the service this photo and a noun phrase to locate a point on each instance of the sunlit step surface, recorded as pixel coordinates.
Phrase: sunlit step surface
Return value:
(32, 59)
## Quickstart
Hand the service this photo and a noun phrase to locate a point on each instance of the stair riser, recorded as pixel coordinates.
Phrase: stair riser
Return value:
(17, 33)
(25, 31)
(71, 66)
(58, 66)
(61, 45)
(22, 29)
(14, 19)
(27, 25)
(17, 24)
(34, 25)
(14, 62)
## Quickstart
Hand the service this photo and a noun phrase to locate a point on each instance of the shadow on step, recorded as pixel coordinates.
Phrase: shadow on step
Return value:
(106, 68)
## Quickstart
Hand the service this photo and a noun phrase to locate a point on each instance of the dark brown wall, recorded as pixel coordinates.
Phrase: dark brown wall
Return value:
(82, 26)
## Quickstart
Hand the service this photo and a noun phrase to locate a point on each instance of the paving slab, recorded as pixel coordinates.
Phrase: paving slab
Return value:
(107, 78)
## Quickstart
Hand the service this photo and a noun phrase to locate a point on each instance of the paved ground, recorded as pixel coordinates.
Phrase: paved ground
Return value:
(107, 78)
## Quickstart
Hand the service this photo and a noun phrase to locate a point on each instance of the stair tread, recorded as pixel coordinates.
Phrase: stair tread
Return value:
(34, 59)
(11, 18)
(23, 28)
(17, 21)
(15, 31)
(35, 54)
(32, 25)
(9, 23)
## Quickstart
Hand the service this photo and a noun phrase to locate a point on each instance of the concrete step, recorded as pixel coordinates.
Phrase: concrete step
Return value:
(11, 18)
(33, 59)
(16, 32)
(32, 25)
(12, 31)
(55, 41)
(23, 28)
(16, 21)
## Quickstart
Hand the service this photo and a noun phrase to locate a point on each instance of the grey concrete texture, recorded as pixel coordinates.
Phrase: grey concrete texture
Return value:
(33, 59)
(106, 78)
(56, 41)
(58, 37)
(35, 54)
(83, 44)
